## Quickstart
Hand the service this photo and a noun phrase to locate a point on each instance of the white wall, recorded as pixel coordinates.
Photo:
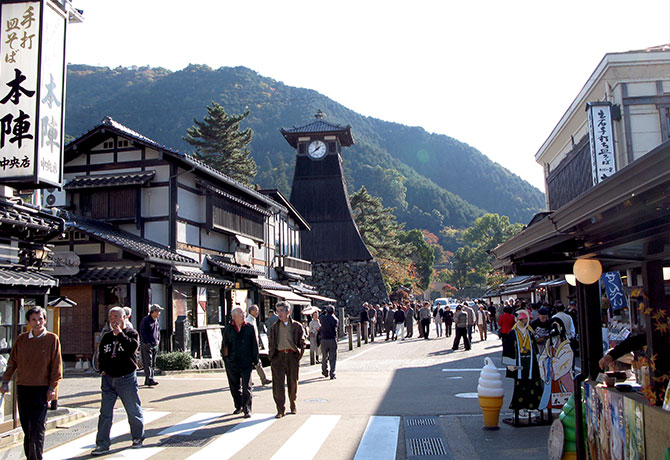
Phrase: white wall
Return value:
(155, 202)
(157, 231)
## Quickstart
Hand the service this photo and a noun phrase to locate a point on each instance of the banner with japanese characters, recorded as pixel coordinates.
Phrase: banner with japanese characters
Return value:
(602, 141)
(614, 288)
(32, 90)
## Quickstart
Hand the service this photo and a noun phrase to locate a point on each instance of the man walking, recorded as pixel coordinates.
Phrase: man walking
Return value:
(461, 323)
(424, 318)
(150, 336)
(286, 347)
(36, 360)
(372, 319)
(329, 342)
(240, 355)
(389, 323)
(379, 314)
(409, 320)
(251, 319)
(399, 319)
(118, 364)
(364, 322)
(470, 313)
(270, 320)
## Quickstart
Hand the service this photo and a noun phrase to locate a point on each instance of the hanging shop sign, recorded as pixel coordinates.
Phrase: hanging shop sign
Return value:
(614, 289)
(601, 140)
(32, 92)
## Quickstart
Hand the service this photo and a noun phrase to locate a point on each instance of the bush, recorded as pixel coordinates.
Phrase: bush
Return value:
(175, 361)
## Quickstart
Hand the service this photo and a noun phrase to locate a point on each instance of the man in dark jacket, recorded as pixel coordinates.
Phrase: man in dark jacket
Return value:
(286, 344)
(118, 364)
(328, 342)
(364, 321)
(461, 324)
(150, 336)
(240, 356)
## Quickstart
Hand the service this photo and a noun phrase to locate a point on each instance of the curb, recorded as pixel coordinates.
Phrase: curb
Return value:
(55, 419)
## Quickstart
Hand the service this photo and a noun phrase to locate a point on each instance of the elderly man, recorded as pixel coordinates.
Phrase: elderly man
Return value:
(36, 360)
(251, 319)
(329, 342)
(150, 336)
(240, 355)
(286, 346)
(118, 364)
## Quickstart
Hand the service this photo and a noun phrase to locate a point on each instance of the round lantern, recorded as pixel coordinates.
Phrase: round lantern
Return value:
(571, 280)
(587, 271)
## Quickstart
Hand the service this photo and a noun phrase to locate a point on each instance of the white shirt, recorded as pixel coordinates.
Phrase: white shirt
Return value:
(31, 335)
(252, 321)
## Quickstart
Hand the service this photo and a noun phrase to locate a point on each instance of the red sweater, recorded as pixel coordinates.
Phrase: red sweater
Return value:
(36, 361)
(506, 322)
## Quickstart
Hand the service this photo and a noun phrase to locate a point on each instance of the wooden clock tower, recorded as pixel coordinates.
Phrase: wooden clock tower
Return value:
(342, 266)
(319, 192)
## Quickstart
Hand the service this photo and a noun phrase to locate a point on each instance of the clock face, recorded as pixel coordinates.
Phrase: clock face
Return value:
(317, 149)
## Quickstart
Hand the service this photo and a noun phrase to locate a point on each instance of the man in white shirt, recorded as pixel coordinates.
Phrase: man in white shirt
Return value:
(567, 320)
(251, 320)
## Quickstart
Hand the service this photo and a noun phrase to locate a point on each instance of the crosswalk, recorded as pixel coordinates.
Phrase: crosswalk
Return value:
(213, 435)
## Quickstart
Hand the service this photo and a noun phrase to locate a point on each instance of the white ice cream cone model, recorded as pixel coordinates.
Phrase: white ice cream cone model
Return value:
(490, 390)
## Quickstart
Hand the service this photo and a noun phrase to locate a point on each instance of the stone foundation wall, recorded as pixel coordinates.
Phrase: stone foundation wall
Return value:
(352, 283)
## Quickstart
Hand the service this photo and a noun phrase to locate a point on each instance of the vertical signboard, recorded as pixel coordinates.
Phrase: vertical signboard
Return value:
(601, 140)
(32, 90)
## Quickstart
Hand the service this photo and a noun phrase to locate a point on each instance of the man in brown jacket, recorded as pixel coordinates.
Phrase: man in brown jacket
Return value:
(36, 360)
(286, 343)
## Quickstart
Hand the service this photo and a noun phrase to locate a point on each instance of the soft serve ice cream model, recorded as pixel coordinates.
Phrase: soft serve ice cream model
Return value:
(490, 390)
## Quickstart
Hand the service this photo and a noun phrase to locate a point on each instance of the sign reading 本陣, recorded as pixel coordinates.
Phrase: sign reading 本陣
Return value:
(32, 91)
(602, 141)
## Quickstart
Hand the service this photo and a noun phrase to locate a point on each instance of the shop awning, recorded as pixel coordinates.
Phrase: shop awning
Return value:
(525, 287)
(244, 240)
(197, 276)
(321, 298)
(287, 295)
(102, 275)
(553, 283)
(265, 283)
(233, 268)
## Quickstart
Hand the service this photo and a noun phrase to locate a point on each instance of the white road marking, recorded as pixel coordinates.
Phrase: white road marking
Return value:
(380, 439)
(188, 426)
(136, 454)
(470, 370)
(308, 439)
(233, 440)
(83, 445)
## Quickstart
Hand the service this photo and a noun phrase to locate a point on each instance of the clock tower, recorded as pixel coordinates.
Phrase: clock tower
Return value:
(319, 193)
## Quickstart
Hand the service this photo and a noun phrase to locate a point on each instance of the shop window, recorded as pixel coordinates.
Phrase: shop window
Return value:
(108, 204)
(214, 307)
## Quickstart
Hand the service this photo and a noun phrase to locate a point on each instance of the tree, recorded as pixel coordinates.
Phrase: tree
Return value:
(221, 143)
(421, 254)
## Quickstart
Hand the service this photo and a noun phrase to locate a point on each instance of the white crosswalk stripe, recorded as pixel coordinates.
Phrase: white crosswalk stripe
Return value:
(86, 443)
(380, 439)
(307, 440)
(233, 440)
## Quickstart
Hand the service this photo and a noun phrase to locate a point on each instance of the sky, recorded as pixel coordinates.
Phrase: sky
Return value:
(497, 75)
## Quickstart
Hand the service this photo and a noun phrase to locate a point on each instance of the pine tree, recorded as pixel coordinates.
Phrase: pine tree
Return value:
(220, 143)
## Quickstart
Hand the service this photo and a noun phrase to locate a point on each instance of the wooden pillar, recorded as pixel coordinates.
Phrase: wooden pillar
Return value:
(588, 298)
(659, 344)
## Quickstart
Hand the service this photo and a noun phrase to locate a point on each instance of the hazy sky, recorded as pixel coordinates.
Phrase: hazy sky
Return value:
(497, 75)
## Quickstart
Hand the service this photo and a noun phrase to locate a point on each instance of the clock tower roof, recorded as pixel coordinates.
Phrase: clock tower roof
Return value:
(318, 126)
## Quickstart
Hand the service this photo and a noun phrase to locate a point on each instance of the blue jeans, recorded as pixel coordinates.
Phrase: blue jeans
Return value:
(125, 388)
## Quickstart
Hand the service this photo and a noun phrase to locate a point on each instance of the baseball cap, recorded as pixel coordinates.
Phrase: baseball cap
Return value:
(155, 307)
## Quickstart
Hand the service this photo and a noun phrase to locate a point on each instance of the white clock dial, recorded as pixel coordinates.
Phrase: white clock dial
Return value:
(317, 149)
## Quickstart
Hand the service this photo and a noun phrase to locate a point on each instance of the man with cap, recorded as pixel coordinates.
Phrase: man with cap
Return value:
(150, 336)
(541, 328)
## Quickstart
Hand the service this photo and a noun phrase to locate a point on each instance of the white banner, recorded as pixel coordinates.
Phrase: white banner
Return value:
(602, 141)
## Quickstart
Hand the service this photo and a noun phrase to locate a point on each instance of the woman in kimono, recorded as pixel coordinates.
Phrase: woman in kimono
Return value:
(556, 367)
(520, 357)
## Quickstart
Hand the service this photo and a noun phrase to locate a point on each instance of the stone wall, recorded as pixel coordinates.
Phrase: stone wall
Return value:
(352, 283)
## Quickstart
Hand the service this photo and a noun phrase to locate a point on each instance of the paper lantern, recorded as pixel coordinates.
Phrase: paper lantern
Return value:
(587, 271)
(572, 281)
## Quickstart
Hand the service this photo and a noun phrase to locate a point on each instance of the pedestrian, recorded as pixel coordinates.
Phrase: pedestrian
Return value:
(251, 320)
(240, 355)
(329, 342)
(129, 313)
(424, 318)
(399, 319)
(286, 347)
(118, 366)
(448, 320)
(36, 361)
(540, 328)
(372, 319)
(471, 319)
(270, 320)
(461, 324)
(389, 323)
(506, 321)
(150, 335)
(492, 317)
(380, 319)
(437, 319)
(567, 320)
(314, 327)
(409, 320)
(482, 319)
(364, 321)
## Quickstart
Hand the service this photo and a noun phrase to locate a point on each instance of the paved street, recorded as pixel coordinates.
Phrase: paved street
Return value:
(411, 395)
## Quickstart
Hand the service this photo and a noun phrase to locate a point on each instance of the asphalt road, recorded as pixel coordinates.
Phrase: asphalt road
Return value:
(383, 384)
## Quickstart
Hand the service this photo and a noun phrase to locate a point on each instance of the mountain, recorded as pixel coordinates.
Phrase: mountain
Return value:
(432, 180)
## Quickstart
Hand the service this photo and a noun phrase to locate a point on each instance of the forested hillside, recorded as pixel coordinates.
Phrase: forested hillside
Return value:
(432, 180)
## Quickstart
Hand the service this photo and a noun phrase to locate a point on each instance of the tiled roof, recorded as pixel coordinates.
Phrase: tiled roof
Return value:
(18, 276)
(265, 283)
(232, 268)
(110, 180)
(198, 277)
(102, 275)
(318, 126)
(301, 288)
(151, 251)
(26, 217)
